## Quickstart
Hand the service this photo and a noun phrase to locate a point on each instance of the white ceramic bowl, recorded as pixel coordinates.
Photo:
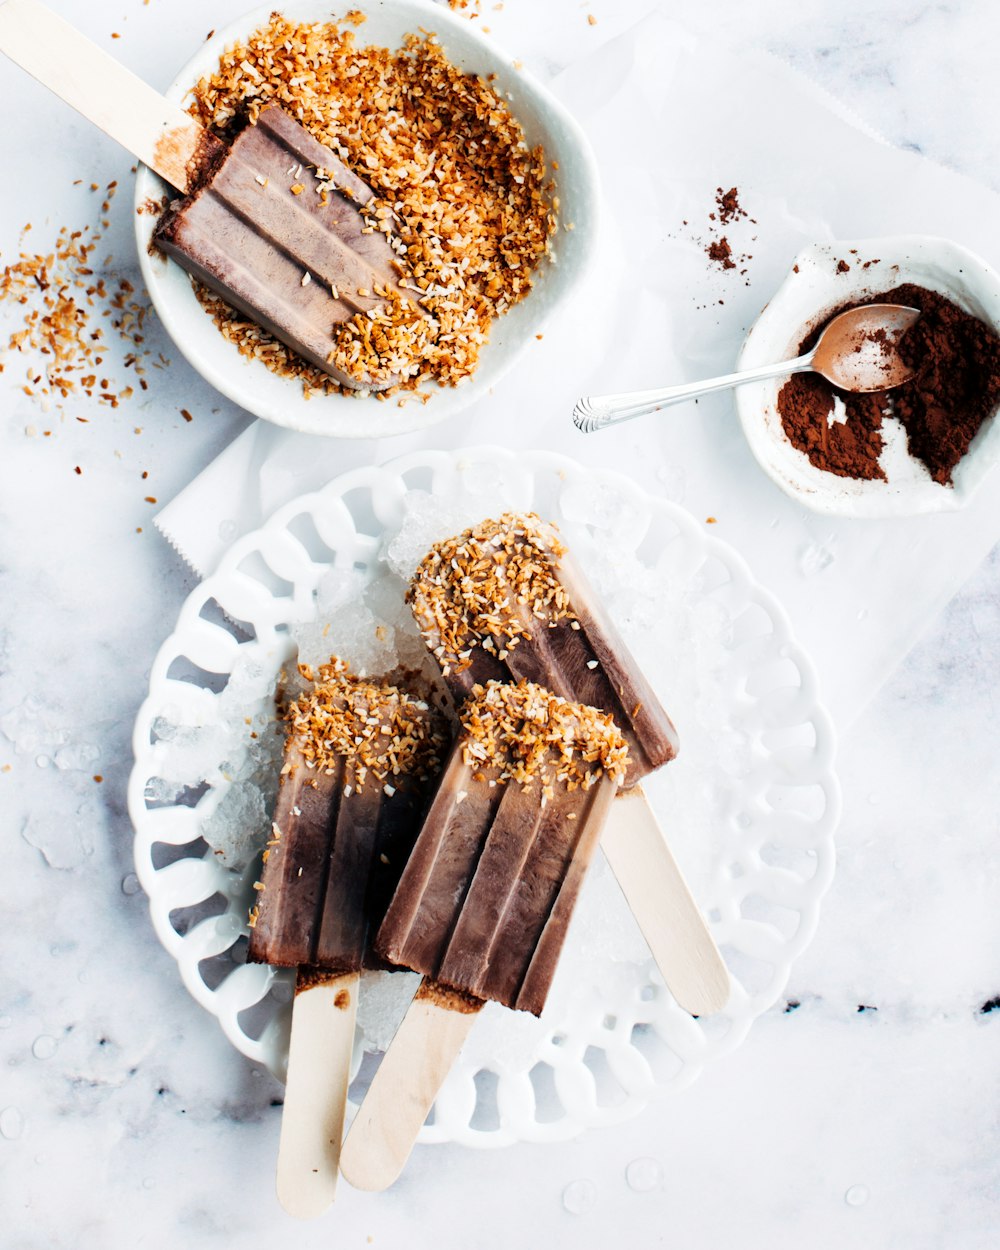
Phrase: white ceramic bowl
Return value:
(254, 387)
(813, 289)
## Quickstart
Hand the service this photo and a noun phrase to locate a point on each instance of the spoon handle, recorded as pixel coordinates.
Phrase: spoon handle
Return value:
(595, 412)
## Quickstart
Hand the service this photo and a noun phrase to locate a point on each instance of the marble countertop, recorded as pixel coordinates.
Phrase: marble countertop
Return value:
(860, 1111)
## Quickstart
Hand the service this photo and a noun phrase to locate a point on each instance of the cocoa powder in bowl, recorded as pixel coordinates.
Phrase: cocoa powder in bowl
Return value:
(955, 388)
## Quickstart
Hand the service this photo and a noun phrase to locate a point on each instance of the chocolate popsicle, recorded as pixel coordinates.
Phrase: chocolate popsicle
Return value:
(359, 759)
(486, 895)
(275, 225)
(504, 600)
(483, 904)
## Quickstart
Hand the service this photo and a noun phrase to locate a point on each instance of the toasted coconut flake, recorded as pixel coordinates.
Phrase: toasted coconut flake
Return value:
(524, 733)
(371, 728)
(477, 588)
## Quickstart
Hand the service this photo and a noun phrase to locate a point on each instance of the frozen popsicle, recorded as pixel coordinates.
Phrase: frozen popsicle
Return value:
(359, 761)
(485, 899)
(486, 895)
(273, 226)
(274, 223)
(505, 601)
(359, 758)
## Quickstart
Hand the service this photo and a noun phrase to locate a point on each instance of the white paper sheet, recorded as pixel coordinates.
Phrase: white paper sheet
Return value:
(673, 116)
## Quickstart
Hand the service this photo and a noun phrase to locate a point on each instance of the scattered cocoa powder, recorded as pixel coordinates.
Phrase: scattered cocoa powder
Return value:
(956, 387)
(728, 205)
(721, 253)
(718, 247)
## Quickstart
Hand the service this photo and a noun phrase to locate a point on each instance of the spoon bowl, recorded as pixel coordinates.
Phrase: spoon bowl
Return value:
(815, 286)
(857, 351)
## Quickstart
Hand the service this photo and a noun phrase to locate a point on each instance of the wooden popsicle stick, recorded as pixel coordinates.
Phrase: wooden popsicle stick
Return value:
(319, 1072)
(152, 128)
(405, 1085)
(663, 905)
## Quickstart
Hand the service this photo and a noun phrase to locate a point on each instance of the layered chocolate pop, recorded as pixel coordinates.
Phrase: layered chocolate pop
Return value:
(504, 600)
(361, 757)
(275, 224)
(484, 903)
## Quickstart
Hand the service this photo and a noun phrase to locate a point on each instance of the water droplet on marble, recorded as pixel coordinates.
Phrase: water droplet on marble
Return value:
(11, 1123)
(579, 1197)
(643, 1175)
(228, 531)
(44, 1047)
(130, 884)
(814, 559)
(857, 1196)
(42, 761)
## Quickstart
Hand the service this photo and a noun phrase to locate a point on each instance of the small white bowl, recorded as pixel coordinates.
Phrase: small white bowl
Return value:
(813, 290)
(251, 384)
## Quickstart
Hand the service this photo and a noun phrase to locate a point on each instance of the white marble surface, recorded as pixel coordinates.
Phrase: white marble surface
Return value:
(126, 1119)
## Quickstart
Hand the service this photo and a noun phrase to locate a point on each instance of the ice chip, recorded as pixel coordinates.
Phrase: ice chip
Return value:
(239, 823)
(426, 520)
(383, 1001)
(60, 842)
(78, 756)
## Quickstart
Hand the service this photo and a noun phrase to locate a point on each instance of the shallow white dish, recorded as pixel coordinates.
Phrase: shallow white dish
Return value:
(813, 289)
(750, 805)
(255, 388)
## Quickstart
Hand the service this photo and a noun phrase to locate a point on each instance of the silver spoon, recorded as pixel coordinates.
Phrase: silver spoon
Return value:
(856, 352)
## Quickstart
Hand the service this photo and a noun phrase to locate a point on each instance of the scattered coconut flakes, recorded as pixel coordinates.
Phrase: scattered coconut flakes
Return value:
(61, 293)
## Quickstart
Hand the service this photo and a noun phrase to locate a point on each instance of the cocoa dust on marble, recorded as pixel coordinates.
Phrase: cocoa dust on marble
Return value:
(721, 245)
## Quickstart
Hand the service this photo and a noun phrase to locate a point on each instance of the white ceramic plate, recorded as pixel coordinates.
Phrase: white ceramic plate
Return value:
(750, 805)
(255, 388)
(815, 288)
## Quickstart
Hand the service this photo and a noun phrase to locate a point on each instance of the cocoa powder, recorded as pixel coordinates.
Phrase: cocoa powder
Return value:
(721, 253)
(955, 388)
